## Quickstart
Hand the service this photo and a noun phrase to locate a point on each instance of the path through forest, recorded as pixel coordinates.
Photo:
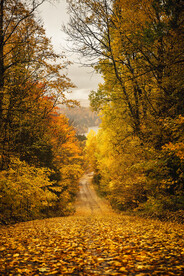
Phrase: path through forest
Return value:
(87, 201)
(94, 241)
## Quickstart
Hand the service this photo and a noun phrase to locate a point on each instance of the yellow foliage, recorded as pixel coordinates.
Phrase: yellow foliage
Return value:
(176, 148)
(24, 192)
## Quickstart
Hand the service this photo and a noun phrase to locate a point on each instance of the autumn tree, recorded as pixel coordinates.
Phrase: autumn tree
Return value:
(40, 158)
(47, 183)
(67, 162)
(30, 70)
(138, 48)
(12, 15)
(135, 47)
(24, 192)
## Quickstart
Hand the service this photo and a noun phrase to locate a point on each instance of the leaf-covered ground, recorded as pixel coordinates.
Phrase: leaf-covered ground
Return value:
(95, 241)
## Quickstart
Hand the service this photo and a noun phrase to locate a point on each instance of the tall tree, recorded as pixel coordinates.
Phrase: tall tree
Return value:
(30, 71)
(12, 15)
(134, 46)
(138, 48)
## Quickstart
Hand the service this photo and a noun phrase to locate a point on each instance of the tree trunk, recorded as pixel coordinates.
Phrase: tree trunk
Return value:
(1, 59)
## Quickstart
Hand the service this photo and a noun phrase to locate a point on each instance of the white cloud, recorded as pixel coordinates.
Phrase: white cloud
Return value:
(53, 16)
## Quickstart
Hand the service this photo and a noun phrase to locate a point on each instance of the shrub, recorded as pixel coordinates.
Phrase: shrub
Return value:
(23, 192)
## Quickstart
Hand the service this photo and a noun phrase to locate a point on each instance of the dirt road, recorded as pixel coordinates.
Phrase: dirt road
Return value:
(87, 200)
(93, 242)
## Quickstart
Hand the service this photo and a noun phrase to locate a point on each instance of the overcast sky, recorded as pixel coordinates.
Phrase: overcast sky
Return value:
(53, 16)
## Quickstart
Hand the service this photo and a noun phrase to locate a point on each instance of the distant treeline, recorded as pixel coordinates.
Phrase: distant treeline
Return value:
(81, 118)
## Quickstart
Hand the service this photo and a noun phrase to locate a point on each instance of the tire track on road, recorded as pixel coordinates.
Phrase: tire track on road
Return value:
(87, 200)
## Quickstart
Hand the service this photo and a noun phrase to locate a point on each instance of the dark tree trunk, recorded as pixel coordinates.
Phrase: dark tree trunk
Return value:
(1, 58)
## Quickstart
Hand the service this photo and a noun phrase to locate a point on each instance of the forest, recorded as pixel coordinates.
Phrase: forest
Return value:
(112, 203)
(138, 154)
(40, 157)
